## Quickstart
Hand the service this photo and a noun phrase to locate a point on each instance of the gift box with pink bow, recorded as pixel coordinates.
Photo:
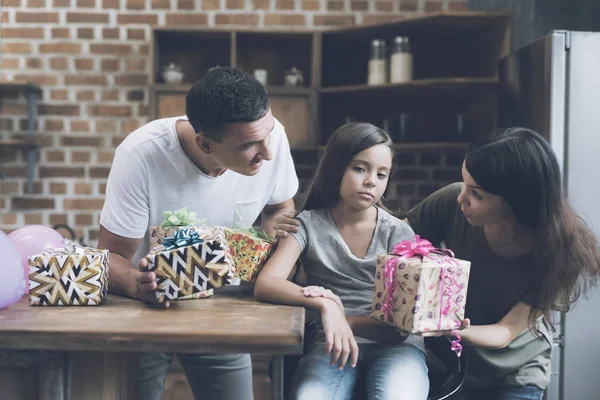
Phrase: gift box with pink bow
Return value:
(420, 288)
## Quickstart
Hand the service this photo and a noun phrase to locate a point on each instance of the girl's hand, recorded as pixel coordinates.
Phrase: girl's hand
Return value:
(285, 223)
(319, 291)
(464, 325)
(339, 339)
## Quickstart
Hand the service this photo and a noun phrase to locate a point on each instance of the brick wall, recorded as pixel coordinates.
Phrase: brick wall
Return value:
(90, 58)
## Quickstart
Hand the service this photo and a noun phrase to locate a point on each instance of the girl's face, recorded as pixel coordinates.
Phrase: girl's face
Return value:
(366, 177)
(480, 207)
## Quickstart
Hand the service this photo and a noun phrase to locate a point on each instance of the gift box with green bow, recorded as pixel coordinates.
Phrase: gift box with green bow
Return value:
(189, 266)
(174, 221)
(249, 248)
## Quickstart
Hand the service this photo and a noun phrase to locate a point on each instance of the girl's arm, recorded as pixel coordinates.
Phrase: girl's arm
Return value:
(363, 326)
(499, 335)
(272, 284)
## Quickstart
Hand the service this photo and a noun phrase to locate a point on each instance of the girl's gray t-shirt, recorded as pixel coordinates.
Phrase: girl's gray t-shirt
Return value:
(328, 261)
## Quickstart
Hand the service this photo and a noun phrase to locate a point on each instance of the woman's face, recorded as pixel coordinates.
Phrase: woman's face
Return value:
(480, 207)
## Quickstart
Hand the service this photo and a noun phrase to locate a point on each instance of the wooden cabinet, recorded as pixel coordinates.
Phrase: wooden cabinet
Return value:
(274, 51)
(452, 99)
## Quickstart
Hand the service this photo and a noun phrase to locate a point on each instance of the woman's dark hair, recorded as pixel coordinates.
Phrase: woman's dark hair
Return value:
(519, 165)
(346, 142)
(225, 96)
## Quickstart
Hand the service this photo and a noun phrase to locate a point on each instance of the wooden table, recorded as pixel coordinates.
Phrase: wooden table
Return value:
(89, 352)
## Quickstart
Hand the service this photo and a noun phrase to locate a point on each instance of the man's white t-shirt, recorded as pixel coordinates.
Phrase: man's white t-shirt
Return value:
(151, 174)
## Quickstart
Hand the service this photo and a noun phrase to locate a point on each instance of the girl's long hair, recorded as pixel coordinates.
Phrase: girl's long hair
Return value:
(346, 142)
(519, 165)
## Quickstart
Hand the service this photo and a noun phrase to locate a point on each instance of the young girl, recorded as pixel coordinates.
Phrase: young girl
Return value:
(342, 229)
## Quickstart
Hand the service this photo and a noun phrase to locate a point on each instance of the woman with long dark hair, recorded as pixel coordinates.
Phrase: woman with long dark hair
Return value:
(530, 254)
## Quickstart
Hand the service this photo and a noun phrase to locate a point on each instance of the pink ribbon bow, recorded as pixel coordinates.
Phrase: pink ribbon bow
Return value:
(422, 247)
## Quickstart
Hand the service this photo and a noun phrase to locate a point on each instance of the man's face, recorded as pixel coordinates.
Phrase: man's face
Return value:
(245, 145)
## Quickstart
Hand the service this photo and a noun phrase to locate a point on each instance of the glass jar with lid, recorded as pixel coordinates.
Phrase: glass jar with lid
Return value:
(401, 60)
(377, 63)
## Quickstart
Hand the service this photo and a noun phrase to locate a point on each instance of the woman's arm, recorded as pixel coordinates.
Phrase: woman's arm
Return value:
(499, 335)
(272, 284)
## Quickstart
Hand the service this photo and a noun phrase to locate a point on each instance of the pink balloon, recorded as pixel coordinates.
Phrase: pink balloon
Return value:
(34, 239)
(12, 284)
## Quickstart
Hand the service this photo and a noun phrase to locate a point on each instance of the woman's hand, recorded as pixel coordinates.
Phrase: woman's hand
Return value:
(339, 339)
(285, 223)
(319, 291)
(466, 323)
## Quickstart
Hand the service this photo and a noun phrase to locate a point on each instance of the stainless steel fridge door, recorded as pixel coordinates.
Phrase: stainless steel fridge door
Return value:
(581, 361)
(553, 87)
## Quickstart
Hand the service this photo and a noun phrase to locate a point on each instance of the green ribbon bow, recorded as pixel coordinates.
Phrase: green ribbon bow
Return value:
(180, 217)
(251, 231)
(257, 234)
(181, 238)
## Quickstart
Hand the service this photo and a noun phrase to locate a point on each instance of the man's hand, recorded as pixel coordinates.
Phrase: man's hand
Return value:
(145, 284)
(285, 223)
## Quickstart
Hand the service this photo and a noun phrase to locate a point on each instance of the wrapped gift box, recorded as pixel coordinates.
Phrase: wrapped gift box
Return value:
(74, 275)
(187, 266)
(419, 288)
(250, 251)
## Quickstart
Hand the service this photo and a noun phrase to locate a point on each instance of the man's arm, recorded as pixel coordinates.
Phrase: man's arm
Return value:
(124, 278)
(270, 213)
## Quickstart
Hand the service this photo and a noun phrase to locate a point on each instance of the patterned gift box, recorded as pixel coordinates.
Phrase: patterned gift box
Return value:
(250, 251)
(74, 275)
(188, 266)
(419, 288)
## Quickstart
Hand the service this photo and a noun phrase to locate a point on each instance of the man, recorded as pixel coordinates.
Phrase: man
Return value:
(229, 161)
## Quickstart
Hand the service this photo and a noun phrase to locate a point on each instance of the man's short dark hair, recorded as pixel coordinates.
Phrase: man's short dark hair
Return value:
(225, 96)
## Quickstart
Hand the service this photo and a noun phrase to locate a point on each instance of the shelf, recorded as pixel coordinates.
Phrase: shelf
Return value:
(14, 87)
(25, 144)
(171, 87)
(29, 143)
(424, 146)
(289, 90)
(449, 23)
(431, 146)
(438, 85)
(272, 90)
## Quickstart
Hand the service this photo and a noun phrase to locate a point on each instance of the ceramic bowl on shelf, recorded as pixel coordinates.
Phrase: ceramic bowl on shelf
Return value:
(172, 74)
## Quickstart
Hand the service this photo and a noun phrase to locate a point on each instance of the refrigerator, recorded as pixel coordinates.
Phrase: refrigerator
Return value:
(553, 86)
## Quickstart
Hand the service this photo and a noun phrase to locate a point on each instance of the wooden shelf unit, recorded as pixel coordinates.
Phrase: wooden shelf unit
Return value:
(455, 73)
(30, 143)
